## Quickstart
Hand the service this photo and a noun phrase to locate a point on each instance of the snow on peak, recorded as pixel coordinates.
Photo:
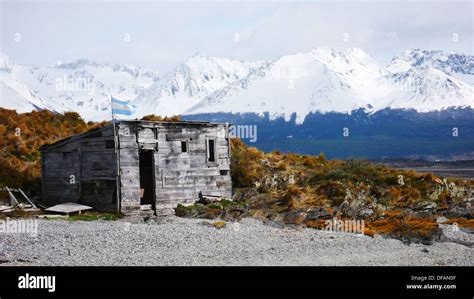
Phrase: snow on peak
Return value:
(449, 63)
(426, 88)
(82, 85)
(337, 80)
(297, 83)
(349, 61)
(72, 65)
(320, 80)
(15, 94)
(188, 83)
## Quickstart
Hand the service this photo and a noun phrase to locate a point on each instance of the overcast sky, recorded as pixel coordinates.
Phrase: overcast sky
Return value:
(161, 35)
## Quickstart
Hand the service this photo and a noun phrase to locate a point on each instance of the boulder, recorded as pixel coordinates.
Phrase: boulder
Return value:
(317, 214)
(233, 214)
(294, 217)
(425, 206)
(247, 194)
(458, 212)
(365, 213)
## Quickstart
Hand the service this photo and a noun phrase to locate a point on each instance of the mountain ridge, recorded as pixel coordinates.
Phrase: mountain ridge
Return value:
(362, 84)
(320, 80)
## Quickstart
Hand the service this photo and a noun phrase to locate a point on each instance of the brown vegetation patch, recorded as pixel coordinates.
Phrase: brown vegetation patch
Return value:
(461, 222)
(316, 224)
(407, 229)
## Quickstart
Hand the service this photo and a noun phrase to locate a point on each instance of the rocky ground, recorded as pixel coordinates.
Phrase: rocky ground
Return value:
(180, 241)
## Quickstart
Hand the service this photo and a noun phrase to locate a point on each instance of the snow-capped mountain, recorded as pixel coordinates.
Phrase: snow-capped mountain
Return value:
(190, 82)
(457, 65)
(322, 80)
(14, 94)
(341, 80)
(426, 89)
(293, 84)
(82, 86)
(351, 62)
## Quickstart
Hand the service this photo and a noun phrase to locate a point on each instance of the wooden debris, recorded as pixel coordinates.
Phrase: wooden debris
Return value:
(13, 200)
(67, 208)
(207, 199)
(26, 197)
(6, 209)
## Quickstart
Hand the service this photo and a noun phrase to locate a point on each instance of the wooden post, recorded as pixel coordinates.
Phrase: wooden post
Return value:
(228, 137)
(117, 155)
(13, 199)
(26, 197)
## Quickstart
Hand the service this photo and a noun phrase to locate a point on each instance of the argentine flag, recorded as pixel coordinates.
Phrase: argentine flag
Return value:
(121, 107)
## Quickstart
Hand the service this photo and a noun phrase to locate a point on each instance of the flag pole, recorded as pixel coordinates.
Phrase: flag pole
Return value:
(117, 155)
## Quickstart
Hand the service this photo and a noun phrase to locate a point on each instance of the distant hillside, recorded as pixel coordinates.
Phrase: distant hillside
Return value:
(389, 133)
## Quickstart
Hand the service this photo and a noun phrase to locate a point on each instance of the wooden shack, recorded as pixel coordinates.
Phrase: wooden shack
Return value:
(161, 164)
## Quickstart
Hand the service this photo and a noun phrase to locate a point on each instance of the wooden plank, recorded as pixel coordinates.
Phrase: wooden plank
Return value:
(129, 164)
(182, 136)
(6, 208)
(128, 145)
(62, 192)
(66, 208)
(26, 197)
(105, 178)
(190, 172)
(128, 138)
(13, 200)
(128, 158)
(133, 152)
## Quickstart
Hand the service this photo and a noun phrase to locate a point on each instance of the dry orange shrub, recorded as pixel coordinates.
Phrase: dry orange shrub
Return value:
(153, 117)
(317, 224)
(291, 158)
(282, 165)
(462, 222)
(399, 226)
(311, 162)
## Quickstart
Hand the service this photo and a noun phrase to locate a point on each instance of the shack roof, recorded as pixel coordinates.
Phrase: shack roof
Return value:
(99, 129)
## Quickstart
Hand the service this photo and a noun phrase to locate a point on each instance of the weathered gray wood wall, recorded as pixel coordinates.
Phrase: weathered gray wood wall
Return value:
(179, 177)
(129, 168)
(81, 169)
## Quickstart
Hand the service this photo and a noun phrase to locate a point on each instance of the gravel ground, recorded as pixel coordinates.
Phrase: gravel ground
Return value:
(178, 241)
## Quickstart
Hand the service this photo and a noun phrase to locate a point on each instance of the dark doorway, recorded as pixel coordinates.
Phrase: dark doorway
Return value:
(147, 178)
